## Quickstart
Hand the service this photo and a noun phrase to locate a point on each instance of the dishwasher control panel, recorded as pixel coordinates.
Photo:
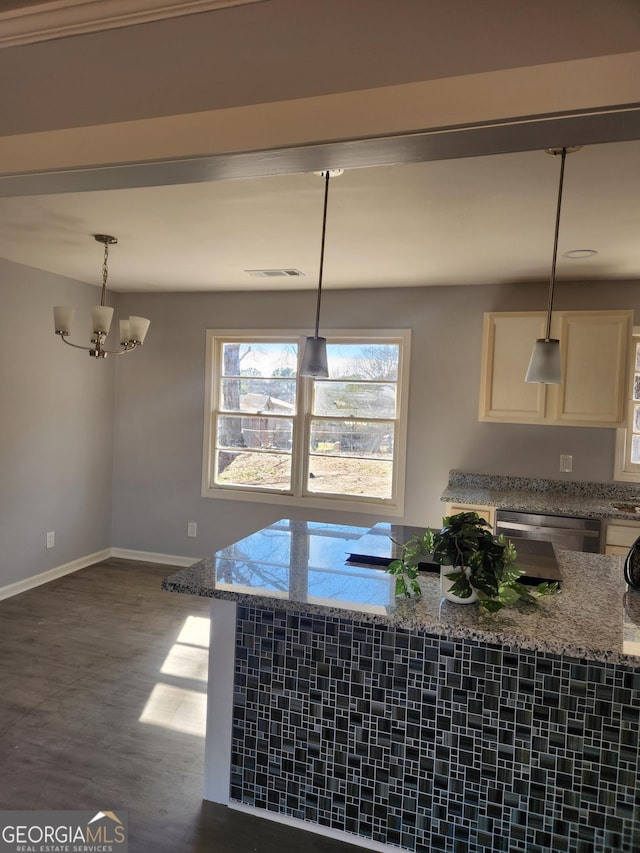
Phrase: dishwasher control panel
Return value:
(574, 533)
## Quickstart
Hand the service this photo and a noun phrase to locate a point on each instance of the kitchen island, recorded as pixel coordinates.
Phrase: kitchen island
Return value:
(419, 723)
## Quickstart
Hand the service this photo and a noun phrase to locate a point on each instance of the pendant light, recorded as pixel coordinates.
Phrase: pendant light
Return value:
(132, 331)
(314, 357)
(545, 366)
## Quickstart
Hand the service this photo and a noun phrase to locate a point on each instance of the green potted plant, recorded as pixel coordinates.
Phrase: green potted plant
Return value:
(475, 564)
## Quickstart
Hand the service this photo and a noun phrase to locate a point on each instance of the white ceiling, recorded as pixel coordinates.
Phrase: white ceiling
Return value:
(464, 221)
(469, 220)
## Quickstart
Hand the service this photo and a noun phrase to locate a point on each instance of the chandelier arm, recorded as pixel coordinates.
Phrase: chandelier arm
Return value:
(128, 347)
(75, 346)
(555, 246)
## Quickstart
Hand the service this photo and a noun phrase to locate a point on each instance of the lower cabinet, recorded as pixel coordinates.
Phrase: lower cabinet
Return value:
(620, 536)
(486, 512)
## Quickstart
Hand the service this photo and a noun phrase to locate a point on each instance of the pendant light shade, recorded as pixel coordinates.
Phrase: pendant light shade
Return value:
(314, 358)
(545, 365)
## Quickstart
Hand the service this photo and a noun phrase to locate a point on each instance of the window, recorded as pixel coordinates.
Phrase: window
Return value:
(627, 462)
(271, 435)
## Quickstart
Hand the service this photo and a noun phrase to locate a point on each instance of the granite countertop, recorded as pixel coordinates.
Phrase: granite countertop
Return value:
(558, 497)
(300, 566)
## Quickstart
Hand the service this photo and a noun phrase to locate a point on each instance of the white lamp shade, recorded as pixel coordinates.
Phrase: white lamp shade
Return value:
(138, 327)
(545, 365)
(62, 318)
(124, 332)
(101, 316)
(314, 358)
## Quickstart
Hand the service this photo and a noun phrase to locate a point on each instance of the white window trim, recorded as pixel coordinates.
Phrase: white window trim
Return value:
(624, 470)
(392, 507)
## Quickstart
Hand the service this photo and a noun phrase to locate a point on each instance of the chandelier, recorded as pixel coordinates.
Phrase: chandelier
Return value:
(132, 331)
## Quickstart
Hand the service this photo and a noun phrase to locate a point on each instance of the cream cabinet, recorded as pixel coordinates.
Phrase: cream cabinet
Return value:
(594, 347)
(486, 512)
(620, 536)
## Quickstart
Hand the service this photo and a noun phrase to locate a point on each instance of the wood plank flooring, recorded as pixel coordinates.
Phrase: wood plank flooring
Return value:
(101, 693)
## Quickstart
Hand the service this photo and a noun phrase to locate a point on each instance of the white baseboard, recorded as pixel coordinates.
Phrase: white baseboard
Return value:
(50, 575)
(16, 588)
(309, 826)
(150, 557)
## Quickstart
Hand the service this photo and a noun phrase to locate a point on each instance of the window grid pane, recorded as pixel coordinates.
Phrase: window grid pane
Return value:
(258, 395)
(359, 477)
(254, 468)
(370, 439)
(354, 399)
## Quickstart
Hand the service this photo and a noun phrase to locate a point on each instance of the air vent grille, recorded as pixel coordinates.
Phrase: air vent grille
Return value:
(278, 273)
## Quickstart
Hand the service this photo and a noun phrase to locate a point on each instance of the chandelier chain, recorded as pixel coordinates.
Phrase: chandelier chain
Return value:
(105, 273)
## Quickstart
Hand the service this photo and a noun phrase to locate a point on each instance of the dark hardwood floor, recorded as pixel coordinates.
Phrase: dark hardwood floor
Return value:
(101, 707)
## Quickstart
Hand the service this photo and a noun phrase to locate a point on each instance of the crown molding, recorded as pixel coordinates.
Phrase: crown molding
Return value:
(62, 18)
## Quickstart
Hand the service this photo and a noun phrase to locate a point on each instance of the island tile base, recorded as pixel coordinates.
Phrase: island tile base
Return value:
(429, 744)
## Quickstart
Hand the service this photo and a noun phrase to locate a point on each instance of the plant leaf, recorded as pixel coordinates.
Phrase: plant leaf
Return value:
(401, 586)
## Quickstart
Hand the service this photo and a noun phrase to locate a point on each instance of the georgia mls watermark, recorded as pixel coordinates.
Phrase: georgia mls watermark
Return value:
(63, 832)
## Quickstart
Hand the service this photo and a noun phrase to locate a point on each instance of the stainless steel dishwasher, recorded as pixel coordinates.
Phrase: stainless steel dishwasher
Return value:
(567, 531)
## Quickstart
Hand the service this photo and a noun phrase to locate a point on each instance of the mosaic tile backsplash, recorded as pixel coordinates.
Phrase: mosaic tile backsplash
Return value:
(433, 745)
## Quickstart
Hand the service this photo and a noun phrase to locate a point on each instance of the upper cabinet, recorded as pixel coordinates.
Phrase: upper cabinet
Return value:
(594, 346)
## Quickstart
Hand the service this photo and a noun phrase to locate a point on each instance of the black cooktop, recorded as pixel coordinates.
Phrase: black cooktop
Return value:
(382, 544)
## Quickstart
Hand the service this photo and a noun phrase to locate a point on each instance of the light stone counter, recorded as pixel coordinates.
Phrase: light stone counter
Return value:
(300, 567)
(557, 497)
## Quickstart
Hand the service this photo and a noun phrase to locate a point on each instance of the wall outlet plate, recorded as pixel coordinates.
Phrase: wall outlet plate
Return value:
(566, 463)
(192, 529)
(51, 539)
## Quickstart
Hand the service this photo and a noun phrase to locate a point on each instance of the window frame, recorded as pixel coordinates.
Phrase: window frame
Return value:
(393, 506)
(624, 469)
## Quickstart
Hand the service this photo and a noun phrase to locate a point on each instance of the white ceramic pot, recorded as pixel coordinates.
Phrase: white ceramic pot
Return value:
(446, 584)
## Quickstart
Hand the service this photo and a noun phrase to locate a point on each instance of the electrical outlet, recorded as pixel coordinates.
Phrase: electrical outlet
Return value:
(566, 463)
(51, 539)
(192, 529)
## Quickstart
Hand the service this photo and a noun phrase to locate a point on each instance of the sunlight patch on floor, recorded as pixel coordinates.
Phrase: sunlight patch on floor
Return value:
(182, 707)
(195, 631)
(176, 708)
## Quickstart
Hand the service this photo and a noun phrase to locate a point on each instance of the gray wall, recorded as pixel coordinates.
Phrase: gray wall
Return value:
(160, 391)
(56, 428)
(66, 465)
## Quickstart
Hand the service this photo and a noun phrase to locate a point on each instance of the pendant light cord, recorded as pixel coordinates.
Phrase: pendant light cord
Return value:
(324, 229)
(555, 246)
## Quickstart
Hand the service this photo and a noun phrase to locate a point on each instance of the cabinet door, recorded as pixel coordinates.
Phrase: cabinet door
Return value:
(507, 344)
(594, 347)
(486, 512)
(616, 551)
(621, 535)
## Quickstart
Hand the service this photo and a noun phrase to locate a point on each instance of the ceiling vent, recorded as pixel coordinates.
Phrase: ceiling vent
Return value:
(279, 273)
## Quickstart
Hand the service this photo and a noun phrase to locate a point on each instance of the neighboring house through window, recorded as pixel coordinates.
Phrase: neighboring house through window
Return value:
(271, 435)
